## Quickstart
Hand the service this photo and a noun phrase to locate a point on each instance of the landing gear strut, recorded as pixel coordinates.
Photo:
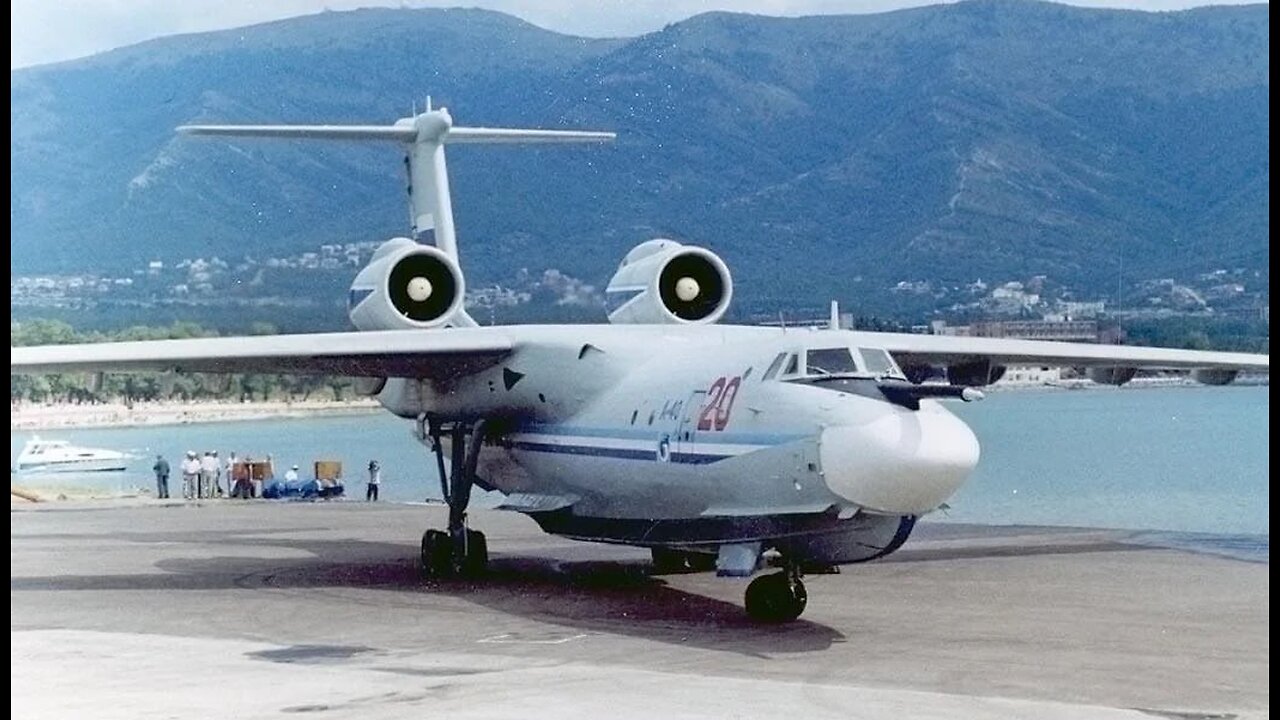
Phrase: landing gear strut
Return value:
(777, 598)
(457, 551)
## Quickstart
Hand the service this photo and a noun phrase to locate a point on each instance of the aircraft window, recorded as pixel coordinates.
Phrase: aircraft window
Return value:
(831, 361)
(774, 367)
(793, 366)
(634, 413)
(878, 362)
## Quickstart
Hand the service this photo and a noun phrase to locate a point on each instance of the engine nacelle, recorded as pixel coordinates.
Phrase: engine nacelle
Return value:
(662, 281)
(406, 286)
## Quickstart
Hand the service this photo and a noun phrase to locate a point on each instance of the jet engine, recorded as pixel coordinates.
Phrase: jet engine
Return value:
(662, 281)
(406, 286)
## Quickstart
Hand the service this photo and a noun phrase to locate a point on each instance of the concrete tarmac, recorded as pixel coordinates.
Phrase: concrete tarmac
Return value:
(273, 610)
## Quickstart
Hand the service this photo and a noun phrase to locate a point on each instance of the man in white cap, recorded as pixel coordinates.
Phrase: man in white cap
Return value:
(292, 475)
(190, 475)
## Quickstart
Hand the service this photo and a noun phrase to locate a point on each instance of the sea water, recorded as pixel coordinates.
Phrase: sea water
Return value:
(1183, 459)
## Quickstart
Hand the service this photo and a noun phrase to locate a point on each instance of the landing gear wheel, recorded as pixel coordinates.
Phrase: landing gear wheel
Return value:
(476, 559)
(776, 598)
(436, 557)
(457, 552)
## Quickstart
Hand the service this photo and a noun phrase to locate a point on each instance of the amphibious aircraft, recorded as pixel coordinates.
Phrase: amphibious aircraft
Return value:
(716, 446)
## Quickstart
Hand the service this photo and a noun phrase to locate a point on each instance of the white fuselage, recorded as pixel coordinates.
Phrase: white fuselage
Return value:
(683, 422)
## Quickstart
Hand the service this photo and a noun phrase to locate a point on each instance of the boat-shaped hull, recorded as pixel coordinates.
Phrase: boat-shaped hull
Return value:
(72, 465)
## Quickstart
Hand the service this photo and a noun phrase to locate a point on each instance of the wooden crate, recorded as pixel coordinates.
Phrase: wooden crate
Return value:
(257, 470)
(328, 470)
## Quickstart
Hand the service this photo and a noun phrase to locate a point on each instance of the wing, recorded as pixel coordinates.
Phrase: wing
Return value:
(423, 354)
(910, 349)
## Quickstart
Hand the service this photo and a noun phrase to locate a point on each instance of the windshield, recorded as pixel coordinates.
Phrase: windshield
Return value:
(831, 361)
(879, 362)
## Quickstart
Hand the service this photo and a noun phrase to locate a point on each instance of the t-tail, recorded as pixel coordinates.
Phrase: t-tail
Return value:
(430, 212)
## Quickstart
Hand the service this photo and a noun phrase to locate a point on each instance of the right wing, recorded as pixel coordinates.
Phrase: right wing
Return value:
(911, 349)
(418, 354)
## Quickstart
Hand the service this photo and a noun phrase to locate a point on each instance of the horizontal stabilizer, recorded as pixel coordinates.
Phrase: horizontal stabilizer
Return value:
(401, 133)
(515, 135)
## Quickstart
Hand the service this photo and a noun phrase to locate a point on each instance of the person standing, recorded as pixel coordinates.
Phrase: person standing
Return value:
(244, 481)
(268, 474)
(233, 478)
(161, 469)
(207, 465)
(375, 479)
(217, 476)
(190, 475)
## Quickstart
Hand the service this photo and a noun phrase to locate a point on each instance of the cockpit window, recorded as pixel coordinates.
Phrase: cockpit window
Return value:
(878, 361)
(774, 367)
(793, 366)
(831, 361)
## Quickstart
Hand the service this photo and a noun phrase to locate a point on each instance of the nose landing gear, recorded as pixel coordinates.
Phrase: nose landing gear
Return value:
(458, 551)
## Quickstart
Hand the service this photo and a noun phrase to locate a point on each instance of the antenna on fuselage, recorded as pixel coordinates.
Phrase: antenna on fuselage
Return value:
(835, 315)
(782, 320)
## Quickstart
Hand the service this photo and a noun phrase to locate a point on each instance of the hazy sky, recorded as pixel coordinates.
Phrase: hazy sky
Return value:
(51, 30)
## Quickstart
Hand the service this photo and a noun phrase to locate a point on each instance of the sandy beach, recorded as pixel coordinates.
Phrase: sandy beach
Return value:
(27, 416)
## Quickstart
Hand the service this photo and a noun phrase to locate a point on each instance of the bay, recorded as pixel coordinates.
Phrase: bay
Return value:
(1181, 459)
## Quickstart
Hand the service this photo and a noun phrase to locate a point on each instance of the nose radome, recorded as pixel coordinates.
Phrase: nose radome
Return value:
(904, 462)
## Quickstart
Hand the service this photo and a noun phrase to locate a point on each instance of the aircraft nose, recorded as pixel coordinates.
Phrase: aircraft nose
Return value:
(903, 463)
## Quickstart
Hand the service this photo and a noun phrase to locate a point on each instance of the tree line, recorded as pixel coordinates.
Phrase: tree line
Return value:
(150, 387)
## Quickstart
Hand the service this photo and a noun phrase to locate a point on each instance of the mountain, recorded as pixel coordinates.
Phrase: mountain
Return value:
(821, 156)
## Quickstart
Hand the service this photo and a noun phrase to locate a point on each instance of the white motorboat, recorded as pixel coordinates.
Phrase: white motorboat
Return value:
(61, 456)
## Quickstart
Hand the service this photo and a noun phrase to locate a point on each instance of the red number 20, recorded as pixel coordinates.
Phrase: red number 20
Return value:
(720, 398)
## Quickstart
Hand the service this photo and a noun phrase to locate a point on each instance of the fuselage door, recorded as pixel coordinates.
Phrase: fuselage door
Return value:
(687, 431)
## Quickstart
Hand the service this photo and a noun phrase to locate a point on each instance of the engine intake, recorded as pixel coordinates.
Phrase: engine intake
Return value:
(406, 286)
(662, 281)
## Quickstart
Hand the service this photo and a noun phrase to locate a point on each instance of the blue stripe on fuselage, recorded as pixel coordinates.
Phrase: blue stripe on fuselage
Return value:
(654, 434)
(619, 453)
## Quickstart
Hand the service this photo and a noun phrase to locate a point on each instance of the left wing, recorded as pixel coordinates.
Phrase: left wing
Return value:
(909, 349)
(420, 354)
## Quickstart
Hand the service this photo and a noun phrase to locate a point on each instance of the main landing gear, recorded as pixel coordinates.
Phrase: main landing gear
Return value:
(457, 551)
(777, 598)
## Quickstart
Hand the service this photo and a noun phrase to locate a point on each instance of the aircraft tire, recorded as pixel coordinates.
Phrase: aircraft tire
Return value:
(435, 560)
(477, 558)
(776, 598)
